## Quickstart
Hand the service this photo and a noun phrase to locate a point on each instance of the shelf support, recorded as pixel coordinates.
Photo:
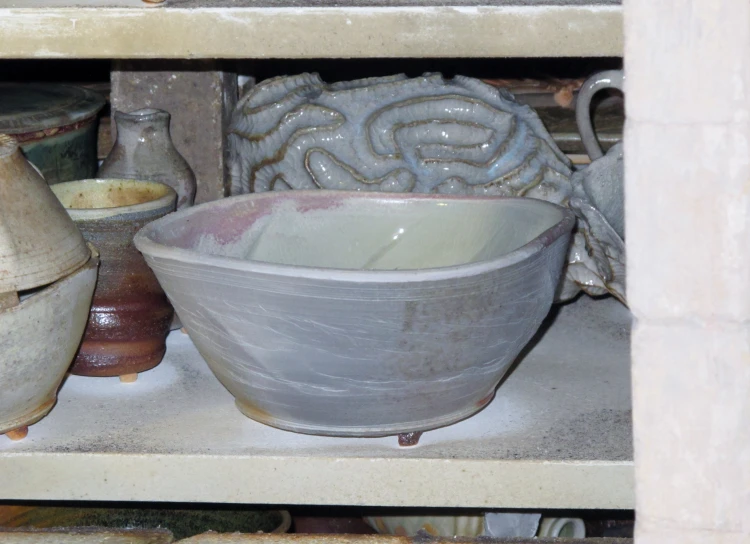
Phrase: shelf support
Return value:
(687, 152)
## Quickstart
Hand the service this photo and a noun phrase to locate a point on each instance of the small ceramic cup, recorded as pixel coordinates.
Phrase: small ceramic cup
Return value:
(130, 314)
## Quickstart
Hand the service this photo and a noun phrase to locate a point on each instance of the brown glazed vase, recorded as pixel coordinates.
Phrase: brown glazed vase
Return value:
(130, 314)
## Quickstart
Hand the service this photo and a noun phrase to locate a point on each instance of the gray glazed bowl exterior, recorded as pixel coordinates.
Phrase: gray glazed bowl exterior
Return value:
(38, 340)
(354, 352)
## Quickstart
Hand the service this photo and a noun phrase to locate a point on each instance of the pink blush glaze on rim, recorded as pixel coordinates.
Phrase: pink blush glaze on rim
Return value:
(228, 219)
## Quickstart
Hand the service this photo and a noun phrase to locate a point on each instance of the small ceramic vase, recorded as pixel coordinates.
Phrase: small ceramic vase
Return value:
(144, 150)
(130, 315)
(47, 277)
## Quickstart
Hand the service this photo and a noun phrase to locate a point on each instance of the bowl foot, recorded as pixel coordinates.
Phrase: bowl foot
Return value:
(129, 378)
(18, 434)
(9, 300)
(406, 440)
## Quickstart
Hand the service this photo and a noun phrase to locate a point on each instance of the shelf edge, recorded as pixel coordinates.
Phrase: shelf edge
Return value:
(318, 480)
(336, 32)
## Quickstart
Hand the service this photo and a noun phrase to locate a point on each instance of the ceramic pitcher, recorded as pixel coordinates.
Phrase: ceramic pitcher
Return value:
(603, 179)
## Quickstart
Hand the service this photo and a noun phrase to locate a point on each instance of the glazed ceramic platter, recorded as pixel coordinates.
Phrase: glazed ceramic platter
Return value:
(557, 435)
(320, 29)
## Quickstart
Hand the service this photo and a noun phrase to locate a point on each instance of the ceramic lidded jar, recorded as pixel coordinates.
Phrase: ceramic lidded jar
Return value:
(130, 315)
(55, 125)
(47, 277)
(144, 150)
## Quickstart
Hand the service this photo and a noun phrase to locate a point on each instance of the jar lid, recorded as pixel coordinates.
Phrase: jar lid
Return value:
(39, 243)
(29, 107)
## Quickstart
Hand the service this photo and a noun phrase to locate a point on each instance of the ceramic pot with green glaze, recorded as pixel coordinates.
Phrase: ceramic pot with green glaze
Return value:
(56, 126)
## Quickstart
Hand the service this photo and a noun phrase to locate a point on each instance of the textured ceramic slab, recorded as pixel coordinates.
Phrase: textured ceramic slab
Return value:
(558, 435)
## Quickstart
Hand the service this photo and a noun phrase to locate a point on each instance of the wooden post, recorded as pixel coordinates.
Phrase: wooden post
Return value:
(687, 169)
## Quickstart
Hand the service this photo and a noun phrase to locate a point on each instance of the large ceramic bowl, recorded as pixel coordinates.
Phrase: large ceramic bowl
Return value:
(360, 314)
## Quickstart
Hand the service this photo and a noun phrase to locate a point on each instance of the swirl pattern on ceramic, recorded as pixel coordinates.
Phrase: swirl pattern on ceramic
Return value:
(422, 135)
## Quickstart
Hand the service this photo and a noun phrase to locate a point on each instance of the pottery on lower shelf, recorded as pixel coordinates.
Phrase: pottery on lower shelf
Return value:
(86, 535)
(360, 314)
(490, 524)
(442, 526)
(38, 340)
(562, 528)
(56, 126)
(181, 523)
(130, 314)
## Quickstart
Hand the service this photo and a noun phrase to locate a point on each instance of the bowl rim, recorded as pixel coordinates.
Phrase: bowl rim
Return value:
(167, 200)
(155, 250)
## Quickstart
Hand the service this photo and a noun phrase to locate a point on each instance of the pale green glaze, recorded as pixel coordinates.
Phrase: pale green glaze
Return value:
(368, 236)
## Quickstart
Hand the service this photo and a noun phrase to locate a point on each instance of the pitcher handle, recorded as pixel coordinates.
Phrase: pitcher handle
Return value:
(610, 79)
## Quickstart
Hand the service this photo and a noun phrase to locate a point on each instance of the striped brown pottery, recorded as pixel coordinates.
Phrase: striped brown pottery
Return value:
(130, 314)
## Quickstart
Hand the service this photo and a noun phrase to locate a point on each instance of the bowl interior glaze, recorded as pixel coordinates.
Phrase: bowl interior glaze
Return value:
(356, 231)
(91, 194)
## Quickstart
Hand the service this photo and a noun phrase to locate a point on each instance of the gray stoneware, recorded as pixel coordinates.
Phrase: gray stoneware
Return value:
(603, 181)
(47, 277)
(38, 340)
(420, 135)
(360, 314)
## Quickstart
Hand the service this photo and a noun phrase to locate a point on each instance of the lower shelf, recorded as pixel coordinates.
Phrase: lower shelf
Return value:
(557, 435)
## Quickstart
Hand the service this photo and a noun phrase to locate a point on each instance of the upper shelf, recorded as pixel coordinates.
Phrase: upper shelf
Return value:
(309, 28)
(557, 435)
